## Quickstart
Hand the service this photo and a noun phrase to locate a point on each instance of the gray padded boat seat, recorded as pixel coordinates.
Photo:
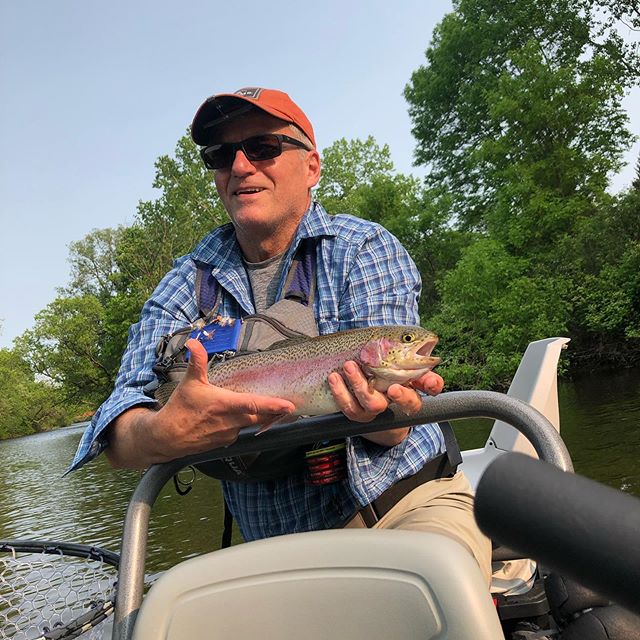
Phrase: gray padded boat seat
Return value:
(351, 584)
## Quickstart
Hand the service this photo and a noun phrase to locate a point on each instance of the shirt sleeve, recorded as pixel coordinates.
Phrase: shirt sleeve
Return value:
(383, 287)
(172, 306)
(383, 284)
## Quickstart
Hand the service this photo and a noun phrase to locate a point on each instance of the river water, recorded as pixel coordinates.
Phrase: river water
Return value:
(600, 422)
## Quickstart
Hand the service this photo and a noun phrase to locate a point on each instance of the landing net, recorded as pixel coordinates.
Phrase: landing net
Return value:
(55, 590)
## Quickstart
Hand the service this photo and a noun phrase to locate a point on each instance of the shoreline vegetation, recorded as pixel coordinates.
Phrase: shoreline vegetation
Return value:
(517, 114)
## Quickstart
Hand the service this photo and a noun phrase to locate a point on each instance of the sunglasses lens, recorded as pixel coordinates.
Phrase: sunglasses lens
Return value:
(221, 156)
(217, 156)
(262, 147)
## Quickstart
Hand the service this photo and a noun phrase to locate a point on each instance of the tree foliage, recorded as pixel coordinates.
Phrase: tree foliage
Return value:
(170, 226)
(75, 344)
(518, 113)
(358, 177)
(348, 168)
(93, 264)
(607, 292)
(65, 346)
(27, 405)
(492, 307)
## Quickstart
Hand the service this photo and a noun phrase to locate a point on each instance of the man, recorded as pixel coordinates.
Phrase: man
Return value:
(261, 148)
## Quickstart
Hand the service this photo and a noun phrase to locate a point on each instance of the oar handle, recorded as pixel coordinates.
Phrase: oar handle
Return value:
(582, 529)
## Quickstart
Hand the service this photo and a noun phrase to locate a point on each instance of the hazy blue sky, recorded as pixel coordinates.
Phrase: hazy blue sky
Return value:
(93, 92)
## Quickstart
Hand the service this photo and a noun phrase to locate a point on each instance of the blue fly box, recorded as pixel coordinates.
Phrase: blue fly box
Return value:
(219, 336)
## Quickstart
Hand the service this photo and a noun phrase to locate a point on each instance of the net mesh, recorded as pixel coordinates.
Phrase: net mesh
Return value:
(52, 595)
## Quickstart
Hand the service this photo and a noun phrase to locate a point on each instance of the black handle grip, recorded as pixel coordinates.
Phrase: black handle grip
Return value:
(582, 529)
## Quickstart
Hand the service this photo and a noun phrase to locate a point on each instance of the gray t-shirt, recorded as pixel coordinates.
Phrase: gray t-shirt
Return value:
(264, 277)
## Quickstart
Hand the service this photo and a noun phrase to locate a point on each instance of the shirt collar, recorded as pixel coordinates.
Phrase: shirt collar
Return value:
(221, 251)
(220, 247)
(316, 222)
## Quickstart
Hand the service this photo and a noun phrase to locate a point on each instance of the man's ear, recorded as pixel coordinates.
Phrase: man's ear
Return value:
(313, 168)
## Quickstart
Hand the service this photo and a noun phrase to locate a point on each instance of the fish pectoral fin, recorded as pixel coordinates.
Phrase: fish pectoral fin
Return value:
(283, 418)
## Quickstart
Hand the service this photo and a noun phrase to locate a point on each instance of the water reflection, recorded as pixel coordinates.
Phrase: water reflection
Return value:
(88, 506)
(600, 424)
(600, 418)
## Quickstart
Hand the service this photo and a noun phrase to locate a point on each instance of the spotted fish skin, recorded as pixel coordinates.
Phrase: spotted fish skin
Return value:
(298, 370)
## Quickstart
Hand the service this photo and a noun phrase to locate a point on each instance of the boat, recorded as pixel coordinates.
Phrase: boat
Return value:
(376, 584)
(346, 583)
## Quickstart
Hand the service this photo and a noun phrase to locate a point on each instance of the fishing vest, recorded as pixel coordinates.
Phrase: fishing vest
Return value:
(291, 316)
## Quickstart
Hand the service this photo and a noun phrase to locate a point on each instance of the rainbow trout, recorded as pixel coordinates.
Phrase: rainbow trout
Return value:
(297, 369)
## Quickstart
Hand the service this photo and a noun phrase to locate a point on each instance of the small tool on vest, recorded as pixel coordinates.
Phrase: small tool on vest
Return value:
(219, 336)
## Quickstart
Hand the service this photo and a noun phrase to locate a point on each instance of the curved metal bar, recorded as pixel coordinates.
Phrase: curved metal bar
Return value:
(448, 406)
(134, 546)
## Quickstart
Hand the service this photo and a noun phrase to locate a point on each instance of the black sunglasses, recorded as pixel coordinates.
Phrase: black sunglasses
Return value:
(256, 148)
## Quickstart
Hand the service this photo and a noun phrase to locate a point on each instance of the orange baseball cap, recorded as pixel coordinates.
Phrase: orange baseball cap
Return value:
(220, 108)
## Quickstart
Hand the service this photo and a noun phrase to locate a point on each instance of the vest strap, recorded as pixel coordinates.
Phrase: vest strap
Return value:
(301, 280)
(300, 283)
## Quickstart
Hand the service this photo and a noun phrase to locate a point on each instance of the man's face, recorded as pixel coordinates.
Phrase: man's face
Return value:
(268, 197)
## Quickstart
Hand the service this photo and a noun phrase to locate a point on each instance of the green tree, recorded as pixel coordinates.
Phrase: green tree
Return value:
(518, 113)
(93, 264)
(170, 226)
(27, 406)
(186, 209)
(348, 167)
(606, 292)
(358, 177)
(492, 307)
(66, 347)
(77, 341)
(636, 180)
(95, 274)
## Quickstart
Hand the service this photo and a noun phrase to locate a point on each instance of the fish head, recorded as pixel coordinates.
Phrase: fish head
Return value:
(399, 355)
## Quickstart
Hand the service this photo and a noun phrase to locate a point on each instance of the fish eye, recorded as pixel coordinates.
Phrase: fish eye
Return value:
(407, 337)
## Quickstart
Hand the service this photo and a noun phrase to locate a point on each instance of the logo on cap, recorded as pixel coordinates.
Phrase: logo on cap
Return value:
(249, 92)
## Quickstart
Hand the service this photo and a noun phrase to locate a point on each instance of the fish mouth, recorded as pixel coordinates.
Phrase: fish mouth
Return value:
(419, 356)
(395, 355)
(426, 347)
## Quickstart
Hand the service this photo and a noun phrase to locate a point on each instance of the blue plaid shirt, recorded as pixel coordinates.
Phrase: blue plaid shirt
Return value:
(364, 277)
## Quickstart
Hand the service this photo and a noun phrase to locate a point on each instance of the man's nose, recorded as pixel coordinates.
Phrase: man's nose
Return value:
(241, 164)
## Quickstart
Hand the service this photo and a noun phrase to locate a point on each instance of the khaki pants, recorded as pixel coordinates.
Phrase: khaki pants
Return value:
(444, 506)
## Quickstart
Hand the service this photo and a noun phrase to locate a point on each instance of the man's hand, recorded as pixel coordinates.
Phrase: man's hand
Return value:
(198, 417)
(360, 403)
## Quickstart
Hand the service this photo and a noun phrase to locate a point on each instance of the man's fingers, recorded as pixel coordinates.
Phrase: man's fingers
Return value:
(370, 400)
(407, 399)
(431, 383)
(198, 361)
(252, 404)
(246, 405)
(356, 399)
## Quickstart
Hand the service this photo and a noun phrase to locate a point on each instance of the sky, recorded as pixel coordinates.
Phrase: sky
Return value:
(92, 93)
